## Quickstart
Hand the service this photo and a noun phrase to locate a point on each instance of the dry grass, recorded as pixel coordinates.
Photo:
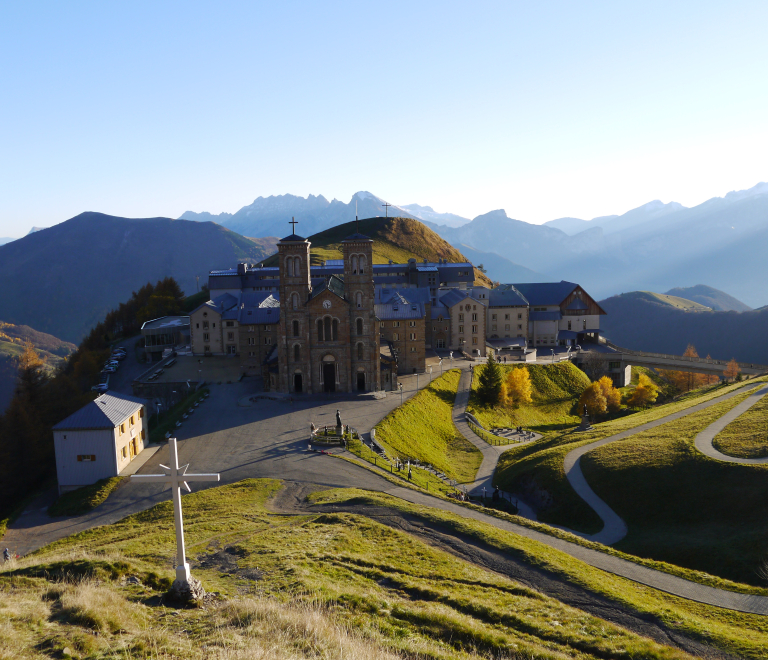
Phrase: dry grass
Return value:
(747, 435)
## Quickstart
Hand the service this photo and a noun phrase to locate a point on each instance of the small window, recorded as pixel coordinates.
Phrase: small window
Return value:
(359, 327)
(461, 317)
(395, 337)
(141, 413)
(206, 336)
(295, 328)
(230, 324)
(359, 351)
(461, 328)
(197, 325)
(122, 428)
(506, 317)
(296, 353)
(206, 349)
(519, 316)
(130, 421)
(413, 349)
(143, 434)
(214, 325)
(89, 458)
(124, 452)
(493, 317)
(474, 329)
(395, 324)
(474, 317)
(474, 340)
(381, 324)
(412, 324)
(267, 340)
(205, 325)
(413, 335)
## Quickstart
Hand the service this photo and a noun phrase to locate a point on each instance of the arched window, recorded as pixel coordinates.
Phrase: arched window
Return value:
(359, 327)
(362, 264)
(295, 328)
(354, 264)
(295, 300)
(328, 334)
(319, 329)
(360, 351)
(335, 330)
(296, 353)
(359, 299)
(289, 266)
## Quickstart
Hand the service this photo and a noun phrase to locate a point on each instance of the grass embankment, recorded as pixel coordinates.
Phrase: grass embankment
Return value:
(319, 585)
(667, 390)
(422, 429)
(84, 499)
(682, 507)
(747, 435)
(555, 389)
(745, 635)
(537, 467)
(159, 426)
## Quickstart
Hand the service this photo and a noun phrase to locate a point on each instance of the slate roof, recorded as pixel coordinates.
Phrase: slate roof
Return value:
(506, 295)
(454, 296)
(545, 293)
(411, 294)
(219, 304)
(426, 269)
(293, 237)
(440, 310)
(358, 237)
(334, 284)
(105, 412)
(258, 307)
(404, 310)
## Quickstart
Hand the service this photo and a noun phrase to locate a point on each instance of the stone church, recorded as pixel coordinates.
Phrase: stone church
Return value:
(329, 337)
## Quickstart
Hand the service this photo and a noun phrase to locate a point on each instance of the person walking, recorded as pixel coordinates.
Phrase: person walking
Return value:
(6, 555)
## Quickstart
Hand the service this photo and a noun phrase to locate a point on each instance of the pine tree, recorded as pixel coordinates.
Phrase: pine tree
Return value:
(490, 382)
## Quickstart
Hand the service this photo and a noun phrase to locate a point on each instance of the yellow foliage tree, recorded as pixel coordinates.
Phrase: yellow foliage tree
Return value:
(517, 389)
(732, 369)
(610, 393)
(593, 399)
(644, 394)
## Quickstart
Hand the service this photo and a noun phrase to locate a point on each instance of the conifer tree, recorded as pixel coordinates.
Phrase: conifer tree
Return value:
(490, 382)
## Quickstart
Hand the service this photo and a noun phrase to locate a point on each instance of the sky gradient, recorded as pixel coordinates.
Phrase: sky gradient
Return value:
(151, 109)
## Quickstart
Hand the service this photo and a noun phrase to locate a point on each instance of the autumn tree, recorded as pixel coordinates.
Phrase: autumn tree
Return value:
(490, 382)
(644, 394)
(685, 381)
(732, 369)
(517, 389)
(594, 400)
(611, 394)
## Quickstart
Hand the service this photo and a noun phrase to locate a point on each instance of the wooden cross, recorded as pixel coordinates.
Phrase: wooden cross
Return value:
(293, 222)
(386, 206)
(177, 477)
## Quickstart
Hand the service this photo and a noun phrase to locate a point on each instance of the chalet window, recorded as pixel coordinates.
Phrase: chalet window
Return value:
(130, 421)
(141, 413)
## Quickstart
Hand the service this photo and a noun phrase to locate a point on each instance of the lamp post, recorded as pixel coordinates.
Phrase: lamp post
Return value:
(430, 374)
(450, 355)
(401, 393)
(417, 381)
(553, 354)
(441, 365)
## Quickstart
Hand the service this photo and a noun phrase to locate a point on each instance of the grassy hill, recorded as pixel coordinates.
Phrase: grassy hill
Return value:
(398, 239)
(333, 584)
(642, 321)
(555, 390)
(12, 340)
(718, 300)
(64, 279)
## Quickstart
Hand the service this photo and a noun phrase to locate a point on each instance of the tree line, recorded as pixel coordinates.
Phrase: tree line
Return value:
(41, 401)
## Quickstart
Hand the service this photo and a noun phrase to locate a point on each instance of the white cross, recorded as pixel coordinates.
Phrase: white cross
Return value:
(177, 476)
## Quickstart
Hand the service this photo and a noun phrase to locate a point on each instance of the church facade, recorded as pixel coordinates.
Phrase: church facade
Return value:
(329, 338)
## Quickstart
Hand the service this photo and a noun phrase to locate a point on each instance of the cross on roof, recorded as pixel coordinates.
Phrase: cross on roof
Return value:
(176, 476)
(293, 222)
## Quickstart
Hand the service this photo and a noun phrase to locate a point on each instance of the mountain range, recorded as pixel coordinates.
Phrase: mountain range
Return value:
(62, 280)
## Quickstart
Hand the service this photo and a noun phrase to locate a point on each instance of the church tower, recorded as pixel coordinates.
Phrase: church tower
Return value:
(295, 289)
(364, 332)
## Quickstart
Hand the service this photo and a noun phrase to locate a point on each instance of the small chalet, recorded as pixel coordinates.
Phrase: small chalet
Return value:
(99, 440)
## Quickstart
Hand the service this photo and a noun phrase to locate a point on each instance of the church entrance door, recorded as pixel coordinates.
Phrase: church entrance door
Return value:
(297, 382)
(329, 377)
(361, 382)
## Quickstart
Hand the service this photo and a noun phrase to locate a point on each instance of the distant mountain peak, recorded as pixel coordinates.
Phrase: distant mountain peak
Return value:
(34, 229)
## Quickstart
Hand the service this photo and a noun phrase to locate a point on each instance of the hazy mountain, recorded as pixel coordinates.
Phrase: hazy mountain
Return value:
(570, 225)
(635, 320)
(219, 218)
(611, 224)
(35, 229)
(269, 216)
(5, 240)
(64, 279)
(500, 269)
(430, 215)
(714, 298)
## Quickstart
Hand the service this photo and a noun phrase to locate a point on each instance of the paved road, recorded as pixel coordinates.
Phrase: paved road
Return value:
(704, 440)
(614, 528)
(269, 440)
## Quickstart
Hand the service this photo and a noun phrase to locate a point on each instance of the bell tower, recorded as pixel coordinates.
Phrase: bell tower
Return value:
(295, 289)
(364, 331)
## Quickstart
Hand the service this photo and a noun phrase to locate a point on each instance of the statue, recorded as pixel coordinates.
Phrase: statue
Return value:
(339, 426)
(585, 410)
(338, 418)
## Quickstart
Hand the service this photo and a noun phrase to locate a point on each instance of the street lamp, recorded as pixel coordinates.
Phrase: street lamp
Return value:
(430, 374)
(450, 354)
(553, 354)
(441, 365)
(401, 393)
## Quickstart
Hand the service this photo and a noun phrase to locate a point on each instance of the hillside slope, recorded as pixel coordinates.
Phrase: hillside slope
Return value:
(639, 321)
(718, 300)
(63, 279)
(398, 239)
(12, 340)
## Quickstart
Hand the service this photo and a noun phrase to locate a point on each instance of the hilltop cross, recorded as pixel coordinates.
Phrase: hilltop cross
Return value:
(386, 206)
(177, 477)
(293, 224)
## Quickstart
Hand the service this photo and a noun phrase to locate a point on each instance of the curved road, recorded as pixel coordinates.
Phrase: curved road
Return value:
(269, 440)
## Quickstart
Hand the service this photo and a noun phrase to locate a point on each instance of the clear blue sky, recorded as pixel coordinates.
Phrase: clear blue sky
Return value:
(543, 109)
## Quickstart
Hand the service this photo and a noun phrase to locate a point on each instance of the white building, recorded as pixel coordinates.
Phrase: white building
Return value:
(99, 440)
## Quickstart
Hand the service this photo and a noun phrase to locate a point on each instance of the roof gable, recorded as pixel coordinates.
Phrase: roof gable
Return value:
(105, 412)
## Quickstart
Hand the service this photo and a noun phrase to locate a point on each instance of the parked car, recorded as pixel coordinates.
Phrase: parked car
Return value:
(118, 356)
(101, 388)
(110, 369)
(170, 363)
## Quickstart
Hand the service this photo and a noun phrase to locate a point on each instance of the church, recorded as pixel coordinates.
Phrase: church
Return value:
(329, 336)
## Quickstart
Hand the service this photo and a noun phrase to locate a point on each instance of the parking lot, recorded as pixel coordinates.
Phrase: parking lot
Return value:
(216, 369)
